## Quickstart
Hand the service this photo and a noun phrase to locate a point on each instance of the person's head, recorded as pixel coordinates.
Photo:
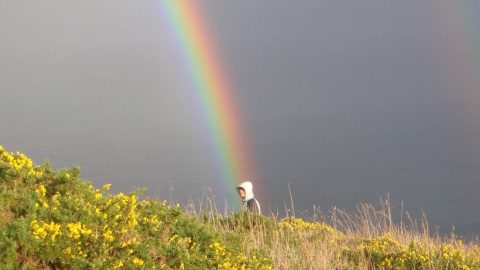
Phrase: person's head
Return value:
(241, 192)
(245, 190)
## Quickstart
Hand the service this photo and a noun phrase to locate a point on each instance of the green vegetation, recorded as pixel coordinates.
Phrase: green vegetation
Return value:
(52, 219)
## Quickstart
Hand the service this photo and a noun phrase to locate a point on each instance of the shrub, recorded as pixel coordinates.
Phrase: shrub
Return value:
(52, 219)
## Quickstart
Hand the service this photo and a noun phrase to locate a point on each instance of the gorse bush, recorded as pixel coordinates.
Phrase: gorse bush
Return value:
(52, 219)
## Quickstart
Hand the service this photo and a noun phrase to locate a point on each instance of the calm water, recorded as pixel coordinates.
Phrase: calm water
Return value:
(445, 188)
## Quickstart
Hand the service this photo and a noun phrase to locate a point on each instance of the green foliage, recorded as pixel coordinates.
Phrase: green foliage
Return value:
(52, 219)
(246, 221)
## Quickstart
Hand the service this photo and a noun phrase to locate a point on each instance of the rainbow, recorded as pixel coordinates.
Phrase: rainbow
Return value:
(214, 94)
(461, 52)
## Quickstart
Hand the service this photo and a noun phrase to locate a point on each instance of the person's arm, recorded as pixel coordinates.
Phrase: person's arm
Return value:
(253, 206)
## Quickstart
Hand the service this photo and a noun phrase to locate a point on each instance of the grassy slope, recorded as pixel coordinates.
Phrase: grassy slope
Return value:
(52, 219)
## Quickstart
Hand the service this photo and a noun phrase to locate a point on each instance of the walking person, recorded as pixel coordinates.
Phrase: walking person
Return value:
(245, 190)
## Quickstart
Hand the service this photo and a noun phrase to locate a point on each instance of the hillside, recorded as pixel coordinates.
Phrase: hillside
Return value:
(52, 219)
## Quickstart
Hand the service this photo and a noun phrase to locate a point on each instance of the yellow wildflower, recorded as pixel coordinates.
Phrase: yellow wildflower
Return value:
(137, 261)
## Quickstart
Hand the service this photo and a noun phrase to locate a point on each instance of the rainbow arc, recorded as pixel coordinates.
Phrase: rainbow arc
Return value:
(214, 94)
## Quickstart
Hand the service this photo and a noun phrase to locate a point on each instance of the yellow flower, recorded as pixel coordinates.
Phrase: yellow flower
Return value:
(117, 265)
(137, 261)
(40, 233)
(108, 235)
(41, 190)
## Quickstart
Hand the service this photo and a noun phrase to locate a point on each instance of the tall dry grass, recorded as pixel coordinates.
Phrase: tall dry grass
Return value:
(308, 247)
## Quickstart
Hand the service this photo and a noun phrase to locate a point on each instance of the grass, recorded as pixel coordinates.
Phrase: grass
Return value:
(52, 219)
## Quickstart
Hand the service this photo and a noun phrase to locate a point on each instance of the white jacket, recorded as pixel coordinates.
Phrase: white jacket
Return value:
(249, 202)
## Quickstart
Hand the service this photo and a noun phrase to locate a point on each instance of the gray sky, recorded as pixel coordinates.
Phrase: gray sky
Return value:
(346, 101)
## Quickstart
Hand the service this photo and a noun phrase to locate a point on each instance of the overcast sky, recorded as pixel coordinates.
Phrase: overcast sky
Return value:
(346, 101)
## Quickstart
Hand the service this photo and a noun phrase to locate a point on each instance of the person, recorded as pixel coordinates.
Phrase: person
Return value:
(245, 190)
